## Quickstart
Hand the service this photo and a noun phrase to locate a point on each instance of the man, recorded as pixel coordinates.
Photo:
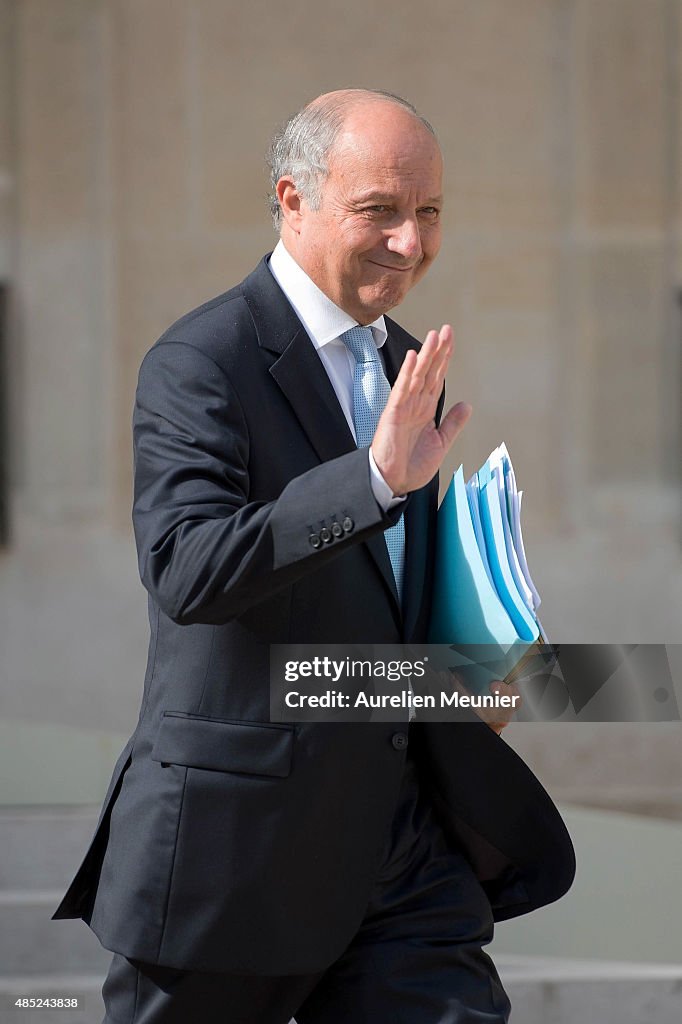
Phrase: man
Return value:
(245, 871)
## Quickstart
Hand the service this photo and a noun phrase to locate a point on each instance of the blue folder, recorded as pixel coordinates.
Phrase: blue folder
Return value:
(477, 609)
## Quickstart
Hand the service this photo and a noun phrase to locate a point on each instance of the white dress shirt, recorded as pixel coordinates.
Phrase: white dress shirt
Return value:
(325, 323)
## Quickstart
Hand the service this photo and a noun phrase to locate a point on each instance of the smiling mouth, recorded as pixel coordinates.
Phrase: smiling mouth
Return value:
(386, 266)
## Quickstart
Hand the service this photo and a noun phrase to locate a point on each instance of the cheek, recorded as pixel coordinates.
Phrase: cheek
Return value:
(358, 240)
(433, 241)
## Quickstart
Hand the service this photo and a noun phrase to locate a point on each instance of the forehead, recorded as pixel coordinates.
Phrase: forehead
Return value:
(385, 148)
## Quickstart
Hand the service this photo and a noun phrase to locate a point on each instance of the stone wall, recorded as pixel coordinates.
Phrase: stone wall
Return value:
(132, 186)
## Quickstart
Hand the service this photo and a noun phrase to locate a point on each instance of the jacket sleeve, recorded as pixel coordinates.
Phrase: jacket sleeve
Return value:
(206, 552)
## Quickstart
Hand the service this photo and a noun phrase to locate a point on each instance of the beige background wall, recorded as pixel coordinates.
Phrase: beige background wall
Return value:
(132, 186)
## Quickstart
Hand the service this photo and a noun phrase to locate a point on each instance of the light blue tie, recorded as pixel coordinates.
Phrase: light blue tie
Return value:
(370, 394)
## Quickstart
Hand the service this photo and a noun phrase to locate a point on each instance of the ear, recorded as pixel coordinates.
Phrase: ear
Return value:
(290, 203)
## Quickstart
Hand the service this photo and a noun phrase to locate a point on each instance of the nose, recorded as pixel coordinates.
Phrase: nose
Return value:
(404, 240)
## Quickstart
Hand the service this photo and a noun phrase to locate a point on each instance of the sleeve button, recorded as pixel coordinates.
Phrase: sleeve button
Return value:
(337, 530)
(348, 524)
(325, 534)
(314, 539)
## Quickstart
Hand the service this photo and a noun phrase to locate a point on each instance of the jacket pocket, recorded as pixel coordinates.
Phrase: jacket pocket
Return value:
(223, 746)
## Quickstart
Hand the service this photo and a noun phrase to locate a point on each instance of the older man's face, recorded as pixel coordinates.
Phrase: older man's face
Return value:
(377, 229)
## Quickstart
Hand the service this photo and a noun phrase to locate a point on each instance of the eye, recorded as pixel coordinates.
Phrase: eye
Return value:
(432, 212)
(377, 208)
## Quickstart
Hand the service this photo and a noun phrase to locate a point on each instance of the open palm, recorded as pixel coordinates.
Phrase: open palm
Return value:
(408, 447)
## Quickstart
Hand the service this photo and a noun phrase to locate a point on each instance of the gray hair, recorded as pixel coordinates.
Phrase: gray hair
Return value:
(301, 147)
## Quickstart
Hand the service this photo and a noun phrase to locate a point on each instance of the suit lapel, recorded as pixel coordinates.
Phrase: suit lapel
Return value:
(300, 375)
(297, 368)
(306, 386)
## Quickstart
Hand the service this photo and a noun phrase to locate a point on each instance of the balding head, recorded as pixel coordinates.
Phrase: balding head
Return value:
(358, 188)
(302, 147)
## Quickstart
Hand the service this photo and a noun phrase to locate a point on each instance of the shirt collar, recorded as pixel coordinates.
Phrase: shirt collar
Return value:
(323, 319)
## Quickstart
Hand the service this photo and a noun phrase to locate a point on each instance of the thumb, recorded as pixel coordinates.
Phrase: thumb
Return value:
(454, 422)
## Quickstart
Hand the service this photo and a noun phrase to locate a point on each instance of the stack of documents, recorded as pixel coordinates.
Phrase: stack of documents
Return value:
(483, 591)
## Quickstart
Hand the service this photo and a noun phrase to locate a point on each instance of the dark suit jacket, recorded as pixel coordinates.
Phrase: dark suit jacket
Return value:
(226, 842)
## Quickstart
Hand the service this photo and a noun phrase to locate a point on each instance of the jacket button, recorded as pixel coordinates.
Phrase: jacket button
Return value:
(399, 740)
(325, 534)
(314, 539)
(347, 524)
(337, 529)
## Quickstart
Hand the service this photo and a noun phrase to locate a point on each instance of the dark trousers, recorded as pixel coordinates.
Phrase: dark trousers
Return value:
(417, 958)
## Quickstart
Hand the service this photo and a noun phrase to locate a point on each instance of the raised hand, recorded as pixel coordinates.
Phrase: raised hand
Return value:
(407, 446)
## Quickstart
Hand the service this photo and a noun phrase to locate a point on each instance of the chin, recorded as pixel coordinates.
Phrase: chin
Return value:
(384, 299)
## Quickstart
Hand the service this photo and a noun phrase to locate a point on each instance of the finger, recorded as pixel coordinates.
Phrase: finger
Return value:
(435, 374)
(424, 360)
(512, 690)
(454, 422)
(400, 391)
(435, 384)
(508, 690)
